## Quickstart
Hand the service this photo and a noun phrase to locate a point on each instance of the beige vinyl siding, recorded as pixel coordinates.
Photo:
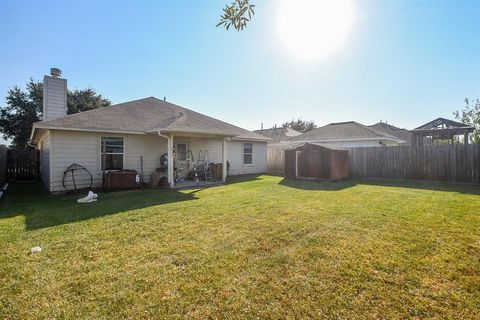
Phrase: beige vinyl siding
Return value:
(70, 147)
(45, 159)
(214, 147)
(150, 147)
(84, 148)
(235, 157)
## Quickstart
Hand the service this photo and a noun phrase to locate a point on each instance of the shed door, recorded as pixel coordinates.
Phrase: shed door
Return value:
(315, 164)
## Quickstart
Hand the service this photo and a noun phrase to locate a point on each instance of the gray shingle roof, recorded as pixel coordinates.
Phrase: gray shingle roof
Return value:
(148, 115)
(279, 134)
(402, 134)
(350, 130)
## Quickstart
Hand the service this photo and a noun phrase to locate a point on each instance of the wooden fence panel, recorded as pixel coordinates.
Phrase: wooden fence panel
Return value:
(3, 164)
(23, 165)
(276, 158)
(457, 163)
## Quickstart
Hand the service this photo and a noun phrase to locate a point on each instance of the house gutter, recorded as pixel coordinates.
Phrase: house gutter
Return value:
(162, 135)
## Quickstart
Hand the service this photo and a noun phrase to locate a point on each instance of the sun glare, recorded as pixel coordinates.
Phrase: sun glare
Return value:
(311, 30)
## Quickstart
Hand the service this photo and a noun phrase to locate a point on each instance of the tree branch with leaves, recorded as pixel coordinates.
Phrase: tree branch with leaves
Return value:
(300, 125)
(24, 107)
(470, 115)
(237, 15)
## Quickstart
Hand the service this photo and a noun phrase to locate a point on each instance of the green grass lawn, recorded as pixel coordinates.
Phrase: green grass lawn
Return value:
(259, 248)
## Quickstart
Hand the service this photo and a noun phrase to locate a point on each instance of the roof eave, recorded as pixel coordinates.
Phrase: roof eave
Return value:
(88, 129)
(239, 138)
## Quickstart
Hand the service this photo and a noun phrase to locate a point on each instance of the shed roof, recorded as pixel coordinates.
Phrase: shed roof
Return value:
(350, 130)
(148, 115)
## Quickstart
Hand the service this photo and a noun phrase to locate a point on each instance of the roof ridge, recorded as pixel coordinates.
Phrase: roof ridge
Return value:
(342, 122)
(378, 132)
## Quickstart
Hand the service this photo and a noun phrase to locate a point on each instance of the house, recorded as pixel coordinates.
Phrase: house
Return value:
(135, 135)
(402, 134)
(347, 134)
(279, 135)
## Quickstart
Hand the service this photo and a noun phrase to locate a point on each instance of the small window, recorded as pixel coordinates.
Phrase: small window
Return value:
(113, 153)
(247, 153)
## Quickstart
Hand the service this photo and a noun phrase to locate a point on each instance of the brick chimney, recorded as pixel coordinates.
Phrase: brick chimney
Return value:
(54, 95)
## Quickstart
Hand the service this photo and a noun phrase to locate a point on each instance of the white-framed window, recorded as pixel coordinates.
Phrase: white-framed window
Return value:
(114, 152)
(247, 153)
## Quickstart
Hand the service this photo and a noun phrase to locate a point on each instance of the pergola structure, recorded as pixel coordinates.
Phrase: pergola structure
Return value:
(441, 129)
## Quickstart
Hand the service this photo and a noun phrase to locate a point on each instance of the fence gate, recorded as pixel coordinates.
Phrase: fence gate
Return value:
(22, 165)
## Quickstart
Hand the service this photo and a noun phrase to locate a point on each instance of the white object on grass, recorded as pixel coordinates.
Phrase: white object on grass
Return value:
(36, 249)
(91, 197)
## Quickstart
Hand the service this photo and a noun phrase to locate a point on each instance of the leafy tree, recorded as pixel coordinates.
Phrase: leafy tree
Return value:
(470, 115)
(300, 125)
(24, 107)
(84, 100)
(237, 14)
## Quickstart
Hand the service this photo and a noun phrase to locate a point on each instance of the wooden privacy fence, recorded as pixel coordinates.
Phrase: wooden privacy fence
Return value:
(23, 164)
(3, 164)
(276, 158)
(456, 163)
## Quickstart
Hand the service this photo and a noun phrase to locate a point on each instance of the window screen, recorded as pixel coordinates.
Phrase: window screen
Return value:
(113, 153)
(247, 153)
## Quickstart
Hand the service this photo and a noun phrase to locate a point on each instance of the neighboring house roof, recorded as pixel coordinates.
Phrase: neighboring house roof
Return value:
(402, 134)
(299, 144)
(149, 115)
(279, 134)
(344, 131)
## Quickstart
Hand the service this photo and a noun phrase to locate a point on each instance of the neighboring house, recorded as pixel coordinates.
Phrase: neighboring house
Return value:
(144, 128)
(347, 134)
(276, 147)
(402, 134)
(281, 134)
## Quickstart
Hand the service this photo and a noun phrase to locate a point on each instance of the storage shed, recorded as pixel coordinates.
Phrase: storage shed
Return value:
(316, 162)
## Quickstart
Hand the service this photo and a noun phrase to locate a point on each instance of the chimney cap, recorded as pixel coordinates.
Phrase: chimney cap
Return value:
(55, 72)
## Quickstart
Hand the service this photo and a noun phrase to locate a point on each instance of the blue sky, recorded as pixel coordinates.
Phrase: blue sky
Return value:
(405, 62)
